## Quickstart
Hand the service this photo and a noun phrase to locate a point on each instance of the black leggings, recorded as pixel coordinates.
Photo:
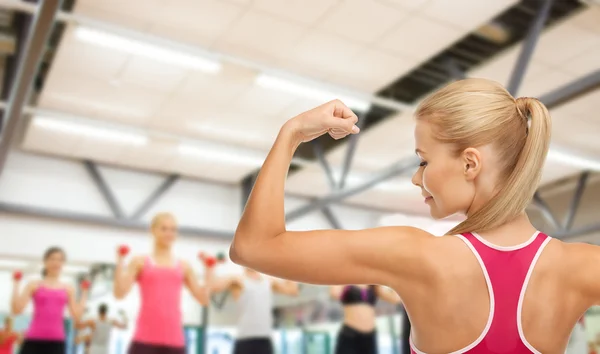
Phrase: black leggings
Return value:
(143, 348)
(351, 341)
(253, 346)
(34, 346)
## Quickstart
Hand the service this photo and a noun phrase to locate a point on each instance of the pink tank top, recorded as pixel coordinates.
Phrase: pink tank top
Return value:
(507, 271)
(159, 321)
(7, 346)
(48, 310)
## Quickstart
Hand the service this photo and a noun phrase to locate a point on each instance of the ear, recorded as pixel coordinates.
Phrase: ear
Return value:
(471, 159)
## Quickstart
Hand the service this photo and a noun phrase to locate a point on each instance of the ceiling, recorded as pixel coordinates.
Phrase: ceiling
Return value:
(217, 123)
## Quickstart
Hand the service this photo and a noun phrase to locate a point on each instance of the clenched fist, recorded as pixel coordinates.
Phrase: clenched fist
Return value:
(334, 118)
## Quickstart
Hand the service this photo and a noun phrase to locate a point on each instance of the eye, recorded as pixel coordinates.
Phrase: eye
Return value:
(423, 164)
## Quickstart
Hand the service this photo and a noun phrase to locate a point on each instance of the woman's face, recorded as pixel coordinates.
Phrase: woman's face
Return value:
(53, 264)
(165, 231)
(441, 175)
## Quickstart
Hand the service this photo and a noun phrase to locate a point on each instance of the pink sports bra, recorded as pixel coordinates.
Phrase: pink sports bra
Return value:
(507, 271)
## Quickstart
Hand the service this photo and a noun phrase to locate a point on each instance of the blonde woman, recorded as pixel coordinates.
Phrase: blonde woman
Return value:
(161, 277)
(494, 284)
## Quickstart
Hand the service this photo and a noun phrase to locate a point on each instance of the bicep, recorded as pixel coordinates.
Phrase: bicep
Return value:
(373, 256)
(134, 267)
(222, 284)
(190, 277)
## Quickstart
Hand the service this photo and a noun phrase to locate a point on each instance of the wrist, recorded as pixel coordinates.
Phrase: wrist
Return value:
(291, 130)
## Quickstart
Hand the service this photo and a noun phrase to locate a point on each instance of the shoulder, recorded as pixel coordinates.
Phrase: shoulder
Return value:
(138, 261)
(69, 288)
(33, 285)
(185, 265)
(574, 256)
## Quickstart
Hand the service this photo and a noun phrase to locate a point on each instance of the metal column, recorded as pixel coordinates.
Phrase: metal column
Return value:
(155, 196)
(107, 194)
(26, 72)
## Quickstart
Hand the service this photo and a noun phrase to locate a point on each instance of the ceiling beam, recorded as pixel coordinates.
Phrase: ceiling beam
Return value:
(63, 215)
(529, 44)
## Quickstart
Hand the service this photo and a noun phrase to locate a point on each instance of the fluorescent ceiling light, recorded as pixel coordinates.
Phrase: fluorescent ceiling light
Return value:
(12, 263)
(90, 131)
(575, 160)
(310, 92)
(222, 153)
(148, 50)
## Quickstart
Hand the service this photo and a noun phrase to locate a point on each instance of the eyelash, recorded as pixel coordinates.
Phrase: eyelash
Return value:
(423, 164)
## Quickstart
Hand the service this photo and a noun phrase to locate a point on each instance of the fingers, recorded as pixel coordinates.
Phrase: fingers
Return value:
(340, 110)
(343, 121)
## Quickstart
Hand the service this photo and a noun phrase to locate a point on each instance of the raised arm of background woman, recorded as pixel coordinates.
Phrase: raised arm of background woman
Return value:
(389, 255)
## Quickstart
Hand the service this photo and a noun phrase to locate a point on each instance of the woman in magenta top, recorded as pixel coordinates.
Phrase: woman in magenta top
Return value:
(493, 284)
(161, 277)
(46, 333)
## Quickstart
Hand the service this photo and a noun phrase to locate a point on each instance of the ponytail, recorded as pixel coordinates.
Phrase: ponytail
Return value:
(518, 189)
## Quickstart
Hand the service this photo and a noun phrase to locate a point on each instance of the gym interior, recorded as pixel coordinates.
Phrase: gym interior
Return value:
(116, 110)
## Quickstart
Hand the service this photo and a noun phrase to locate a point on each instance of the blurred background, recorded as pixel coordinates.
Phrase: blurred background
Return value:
(141, 106)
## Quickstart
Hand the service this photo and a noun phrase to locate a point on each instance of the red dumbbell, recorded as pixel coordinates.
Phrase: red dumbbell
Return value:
(85, 284)
(123, 250)
(209, 261)
(17, 275)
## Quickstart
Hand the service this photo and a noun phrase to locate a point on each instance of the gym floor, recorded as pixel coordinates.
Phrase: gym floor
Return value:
(115, 110)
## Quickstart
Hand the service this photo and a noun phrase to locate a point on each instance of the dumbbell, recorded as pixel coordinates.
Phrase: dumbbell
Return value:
(209, 261)
(85, 284)
(123, 250)
(17, 275)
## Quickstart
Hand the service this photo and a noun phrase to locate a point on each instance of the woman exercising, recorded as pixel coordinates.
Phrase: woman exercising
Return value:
(100, 328)
(493, 284)
(358, 334)
(254, 294)
(8, 337)
(46, 333)
(160, 276)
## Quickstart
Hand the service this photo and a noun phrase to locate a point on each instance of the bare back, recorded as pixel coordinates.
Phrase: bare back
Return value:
(451, 310)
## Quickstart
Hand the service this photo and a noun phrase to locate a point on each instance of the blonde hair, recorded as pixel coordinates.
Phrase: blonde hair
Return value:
(477, 112)
(158, 218)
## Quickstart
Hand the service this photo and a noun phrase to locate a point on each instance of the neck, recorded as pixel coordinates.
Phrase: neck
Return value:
(52, 277)
(511, 233)
(161, 250)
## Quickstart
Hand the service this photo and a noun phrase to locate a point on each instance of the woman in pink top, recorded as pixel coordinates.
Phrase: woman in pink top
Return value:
(46, 333)
(493, 284)
(8, 337)
(161, 277)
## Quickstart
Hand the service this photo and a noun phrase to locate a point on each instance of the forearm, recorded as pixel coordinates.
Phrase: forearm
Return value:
(264, 216)
(15, 302)
(121, 280)
(80, 308)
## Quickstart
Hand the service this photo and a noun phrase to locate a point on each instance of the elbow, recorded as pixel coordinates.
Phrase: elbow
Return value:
(238, 252)
(15, 309)
(119, 295)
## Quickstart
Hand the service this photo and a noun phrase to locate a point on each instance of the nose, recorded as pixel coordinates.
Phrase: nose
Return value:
(417, 178)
